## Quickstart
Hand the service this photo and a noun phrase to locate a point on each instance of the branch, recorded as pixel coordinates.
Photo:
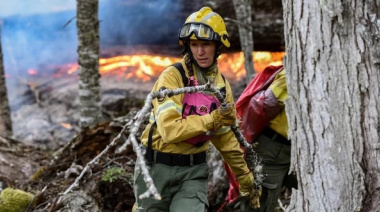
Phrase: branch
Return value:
(93, 161)
(247, 26)
(5, 141)
(253, 160)
(152, 191)
(68, 22)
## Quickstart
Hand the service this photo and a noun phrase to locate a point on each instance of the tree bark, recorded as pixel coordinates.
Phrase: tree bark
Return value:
(88, 60)
(333, 74)
(244, 18)
(5, 112)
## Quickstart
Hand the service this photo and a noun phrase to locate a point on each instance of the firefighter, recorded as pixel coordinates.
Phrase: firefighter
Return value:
(181, 127)
(263, 120)
(273, 145)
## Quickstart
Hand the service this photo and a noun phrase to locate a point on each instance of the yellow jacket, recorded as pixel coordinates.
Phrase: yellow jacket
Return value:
(279, 89)
(172, 130)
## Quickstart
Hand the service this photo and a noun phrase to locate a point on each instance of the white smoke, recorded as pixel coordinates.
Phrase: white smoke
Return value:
(32, 7)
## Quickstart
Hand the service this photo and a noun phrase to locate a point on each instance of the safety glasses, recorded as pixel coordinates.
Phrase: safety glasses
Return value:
(201, 31)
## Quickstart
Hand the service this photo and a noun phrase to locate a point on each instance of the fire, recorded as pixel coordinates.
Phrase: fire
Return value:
(139, 67)
(66, 125)
(147, 67)
(72, 68)
(32, 72)
(232, 65)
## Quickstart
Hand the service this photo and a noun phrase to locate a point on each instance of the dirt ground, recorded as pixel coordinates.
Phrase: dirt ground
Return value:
(47, 174)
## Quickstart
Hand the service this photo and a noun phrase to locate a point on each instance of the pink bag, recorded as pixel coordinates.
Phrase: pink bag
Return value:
(198, 104)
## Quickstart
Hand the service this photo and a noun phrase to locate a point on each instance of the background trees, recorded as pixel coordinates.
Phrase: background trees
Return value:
(332, 62)
(88, 60)
(5, 113)
(244, 17)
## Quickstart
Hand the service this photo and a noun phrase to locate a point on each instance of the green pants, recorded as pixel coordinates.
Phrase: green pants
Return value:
(182, 188)
(276, 162)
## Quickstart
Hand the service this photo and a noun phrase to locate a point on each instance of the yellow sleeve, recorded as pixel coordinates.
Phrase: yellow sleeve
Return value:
(168, 112)
(228, 145)
(232, 154)
(279, 89)
(278, 86)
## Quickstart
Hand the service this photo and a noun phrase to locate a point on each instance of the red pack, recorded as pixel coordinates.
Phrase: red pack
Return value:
(252, 116)
(253, 119)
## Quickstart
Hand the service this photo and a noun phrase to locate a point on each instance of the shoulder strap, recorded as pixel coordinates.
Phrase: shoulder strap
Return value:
(149, 150)
(179, 66)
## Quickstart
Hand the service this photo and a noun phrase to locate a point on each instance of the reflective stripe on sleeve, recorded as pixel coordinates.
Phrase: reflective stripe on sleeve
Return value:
(168, 105)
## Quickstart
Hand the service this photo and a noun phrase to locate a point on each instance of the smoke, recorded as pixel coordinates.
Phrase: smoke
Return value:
(28, 7)
(31, 42)
(44, 36)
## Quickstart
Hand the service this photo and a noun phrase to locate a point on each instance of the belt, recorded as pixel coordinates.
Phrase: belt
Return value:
(275, 136)
(178, 159)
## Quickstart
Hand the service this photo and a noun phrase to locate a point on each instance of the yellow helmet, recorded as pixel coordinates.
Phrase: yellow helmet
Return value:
(204, 25)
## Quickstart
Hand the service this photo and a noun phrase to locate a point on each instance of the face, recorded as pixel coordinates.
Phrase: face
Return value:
(203, 52)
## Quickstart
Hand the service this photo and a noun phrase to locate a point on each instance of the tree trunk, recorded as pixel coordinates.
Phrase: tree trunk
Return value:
(88, 60)
(244, 18)
(333, 76)
(5, 112)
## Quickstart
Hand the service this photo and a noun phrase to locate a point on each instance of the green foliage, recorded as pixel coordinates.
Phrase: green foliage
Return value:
(113, 174)
(14, 200)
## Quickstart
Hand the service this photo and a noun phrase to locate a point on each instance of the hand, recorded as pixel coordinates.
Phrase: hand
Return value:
(245, 184)
(247, 189)
(255, 198)
(224, 116)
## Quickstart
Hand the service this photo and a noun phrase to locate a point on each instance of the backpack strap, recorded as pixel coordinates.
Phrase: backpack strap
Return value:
(149, 150)
(179, 67)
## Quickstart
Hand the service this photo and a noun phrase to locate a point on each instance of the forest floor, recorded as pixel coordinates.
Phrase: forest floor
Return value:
(47, 171)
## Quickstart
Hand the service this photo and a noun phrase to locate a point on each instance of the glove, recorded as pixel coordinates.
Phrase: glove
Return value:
(255, 198)
(247, 189)
(224, 116)
(245, 184)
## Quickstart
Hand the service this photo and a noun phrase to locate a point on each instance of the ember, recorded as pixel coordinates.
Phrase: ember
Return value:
(66, 125)
(32, 72)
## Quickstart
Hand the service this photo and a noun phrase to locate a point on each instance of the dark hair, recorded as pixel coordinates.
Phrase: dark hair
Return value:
(188, 63)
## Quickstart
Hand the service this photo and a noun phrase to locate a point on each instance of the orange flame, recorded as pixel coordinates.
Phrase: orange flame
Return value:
(147, 67)
(72, 68)
(141, 67)
(32, 72)
(66, 125)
